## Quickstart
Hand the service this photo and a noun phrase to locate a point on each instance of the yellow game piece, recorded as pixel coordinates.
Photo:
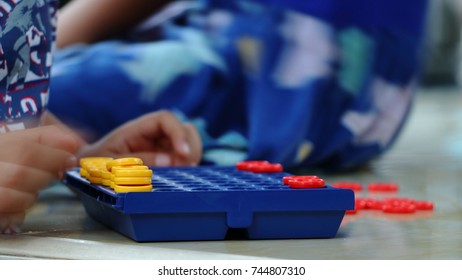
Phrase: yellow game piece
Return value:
(95, 180)
(84, 173)
(132, 181)
(94, 160)
(123, 162)
(94, 172)
(123, 189)
(128, 173)
(106, 182)
(131, 172)
(130, 167)
(106, 174)
(91, 168)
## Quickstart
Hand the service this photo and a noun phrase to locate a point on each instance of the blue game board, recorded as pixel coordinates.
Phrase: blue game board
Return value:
(209, 203)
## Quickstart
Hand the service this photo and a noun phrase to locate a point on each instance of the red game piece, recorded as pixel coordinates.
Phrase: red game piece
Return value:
(360, 203)
(398, 201)
(245, 165)
(374, 204)
(368, 203)
(355, 186)
(399, 209)
(259, 166)
(382, 187)
(301, 182)
(267, 168)
(262, 166)
(399, 205)
(424, 205)
(285, 179)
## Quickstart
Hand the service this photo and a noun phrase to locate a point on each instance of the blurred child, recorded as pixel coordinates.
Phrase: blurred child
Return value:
(318, 84)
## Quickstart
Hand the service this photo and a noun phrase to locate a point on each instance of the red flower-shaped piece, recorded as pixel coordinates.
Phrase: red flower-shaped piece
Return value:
(424, 205)
(399, 205)
(382, 187)
(259, 166)
(305, 182)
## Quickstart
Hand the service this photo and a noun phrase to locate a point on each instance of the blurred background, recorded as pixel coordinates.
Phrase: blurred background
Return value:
(444, 48)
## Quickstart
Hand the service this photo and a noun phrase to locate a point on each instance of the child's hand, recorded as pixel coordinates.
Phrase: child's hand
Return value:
(29, 161)
(159, 139)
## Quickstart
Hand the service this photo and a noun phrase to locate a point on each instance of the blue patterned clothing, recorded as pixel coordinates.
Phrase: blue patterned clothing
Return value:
(27, 31)
(325, 84)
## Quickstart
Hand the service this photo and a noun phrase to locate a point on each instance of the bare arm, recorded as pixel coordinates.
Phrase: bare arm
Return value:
(89, 21)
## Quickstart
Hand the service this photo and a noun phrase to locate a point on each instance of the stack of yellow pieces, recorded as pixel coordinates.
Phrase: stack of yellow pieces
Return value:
(122, 175)
(93, 167)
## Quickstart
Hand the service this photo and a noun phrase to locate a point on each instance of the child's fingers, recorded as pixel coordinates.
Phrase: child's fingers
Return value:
(183, 137)
(159, 139)
(179, 152)
(13, 200)
(151, 158)
(158, 131)
(195, 144)
(9, 222)
(29, 161)
(23, 178)
(51, 136)
(34, 155)
(167, 125)
(47, 148)
(15, 218)
(158, 158)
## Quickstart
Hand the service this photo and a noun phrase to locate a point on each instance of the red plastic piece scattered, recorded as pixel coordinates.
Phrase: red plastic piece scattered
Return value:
(259, 166)
(360, 203)
(398, 201)
(374, 204)
(382, 187)
(302, 182)
(286, 179)
(355, 186)
(404, 208)
(397, 205)
(424, 205)
(368, 203)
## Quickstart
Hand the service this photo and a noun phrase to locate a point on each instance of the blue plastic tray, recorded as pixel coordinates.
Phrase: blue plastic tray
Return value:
(209, 203)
